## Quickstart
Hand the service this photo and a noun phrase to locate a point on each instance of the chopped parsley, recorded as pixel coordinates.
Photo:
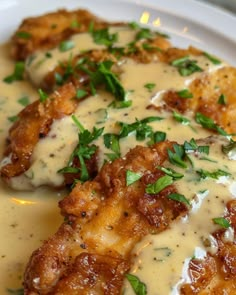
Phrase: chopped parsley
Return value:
(138, 286)
(24, 101)
(80, 93)
(140, 127)
(171, 172)
(23, 35)
(132, 177)
(208, 123)
(101, 74)
(75, 24)
(222, 222)
(111, 141)
(103, 36)
(191, 146)
(213, 59)
(176, 157)
(184, 93)
(179, 198)
(159, 184)
(134, 25)
(180, 118)
(13, 119)
(157, 136)
(186, 66)
(42, 95)
(18, 73)
(226, 149)
(66, 45)
(222, 100)
(214, 174)
(149, 86)
(121, 104)
(83, 151)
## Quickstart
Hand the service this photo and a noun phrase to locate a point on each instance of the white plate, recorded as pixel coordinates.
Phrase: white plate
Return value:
(188, 22)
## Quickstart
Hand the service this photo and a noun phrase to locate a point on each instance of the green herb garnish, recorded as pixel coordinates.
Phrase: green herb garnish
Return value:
(83, 151)
(222, 222)
(80, 93)
(13, 119)
(24, 101)
(222, 100)
(159, 185)
(179, 198)
(185, 93)
(42, 95)
(215, 174)
(171, 172)
(208, 123)
(111, 141)
(176, 157)
(23, 35)
(132, 177)
(103, 37)
(18, 73)
(149, 86)
(191, 146)
(66, 45)
(213, 59)
(180, 118)
(186, 66)
(138, 286)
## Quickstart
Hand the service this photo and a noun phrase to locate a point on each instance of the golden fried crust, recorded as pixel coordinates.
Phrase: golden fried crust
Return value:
(104, 221)
(34, 123)
(206, 92)
(47, 31)
(216, 274)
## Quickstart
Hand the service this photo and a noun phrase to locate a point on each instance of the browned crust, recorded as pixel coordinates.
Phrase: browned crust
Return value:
(48, 30)
(104, 221)
(34, 123)
(216, 274)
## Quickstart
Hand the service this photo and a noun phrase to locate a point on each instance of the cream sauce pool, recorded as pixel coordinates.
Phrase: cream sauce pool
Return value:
(29, 217)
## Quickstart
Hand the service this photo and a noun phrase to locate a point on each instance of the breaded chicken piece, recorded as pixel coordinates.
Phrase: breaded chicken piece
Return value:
(104, 219)
(48, 30)
(34, 123)
(206, 92)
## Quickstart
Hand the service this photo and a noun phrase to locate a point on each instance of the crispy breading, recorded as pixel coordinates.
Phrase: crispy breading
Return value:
(48, 30)
(215, 274)
(34, 123)
(206, 93)
(104, 219)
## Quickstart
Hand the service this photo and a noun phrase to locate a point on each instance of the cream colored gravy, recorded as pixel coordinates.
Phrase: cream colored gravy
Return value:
(29, 217)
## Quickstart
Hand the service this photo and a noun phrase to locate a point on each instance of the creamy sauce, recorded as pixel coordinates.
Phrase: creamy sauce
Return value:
(62, 137)
(39, 65)
(29, 217)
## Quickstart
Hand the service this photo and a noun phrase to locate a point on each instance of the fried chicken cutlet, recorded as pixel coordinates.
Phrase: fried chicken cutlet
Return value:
(105, 219)
(47, 31)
